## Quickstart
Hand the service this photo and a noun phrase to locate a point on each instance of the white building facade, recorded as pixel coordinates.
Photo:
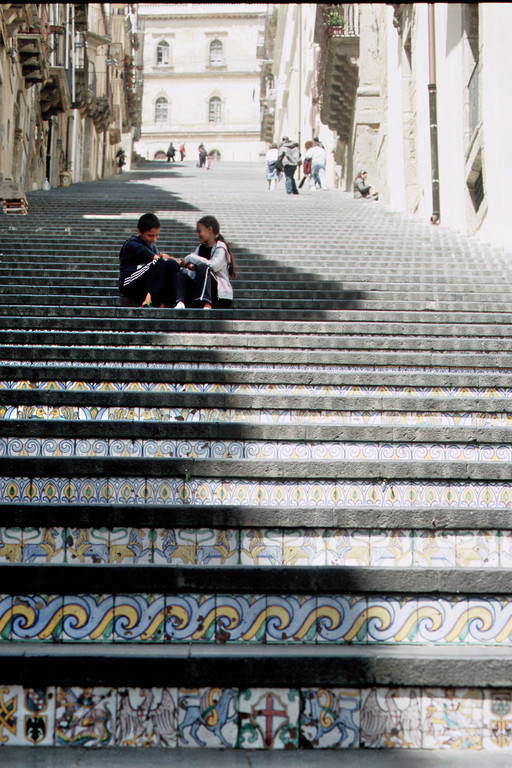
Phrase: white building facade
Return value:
(202, 79)
(366, 77)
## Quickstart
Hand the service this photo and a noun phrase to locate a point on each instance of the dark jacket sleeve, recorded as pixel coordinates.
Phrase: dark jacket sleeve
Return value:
(134, 252)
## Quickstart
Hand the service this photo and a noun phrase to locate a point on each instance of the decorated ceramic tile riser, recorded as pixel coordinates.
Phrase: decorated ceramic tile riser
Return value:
(139, 618)
(478, 549)
(175, 546)
(263, 416)
(208, 491)
(304, 547)
(257, 618)
(347, 547)
(378, 718)
(269, 719)
(291, 619)
(85, 717)
(360, 390)
(27, 716)
(330, 718)
(241, 618)
(391, 620)
(391, 718)
(11, 545)
(452, 719)
(190, 618)
(36, 617)
(131, 546)
(88, 618)
(497, 720)
(146, 717)
(208, 717)
(219, 547)
(88, 545)
(435, 549)
(441, 621)
(391, 549)
(44, 545)
(261, 547)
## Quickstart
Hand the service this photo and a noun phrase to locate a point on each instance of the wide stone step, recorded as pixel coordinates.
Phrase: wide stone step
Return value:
(292, 380)
(227, 340)
(284, 329)
(323, 319)
(442, 514)
(257, 356)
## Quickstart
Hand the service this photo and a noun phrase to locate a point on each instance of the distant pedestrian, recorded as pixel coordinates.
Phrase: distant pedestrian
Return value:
(171, 151)
(182, 152)
(362, 189)
(205, 277)
(306, 163)
(202, 155)
(273, 172)
(289, 157)
(317, 155)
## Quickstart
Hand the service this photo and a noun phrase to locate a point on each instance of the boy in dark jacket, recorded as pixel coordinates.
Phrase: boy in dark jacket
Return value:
(145, 274)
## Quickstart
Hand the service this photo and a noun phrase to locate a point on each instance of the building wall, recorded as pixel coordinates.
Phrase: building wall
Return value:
(189, 81)
(47, 124)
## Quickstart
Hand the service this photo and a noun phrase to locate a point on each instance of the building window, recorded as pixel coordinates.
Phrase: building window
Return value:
(215, 110)
(161, 111)
(163, 54)
(216, 54)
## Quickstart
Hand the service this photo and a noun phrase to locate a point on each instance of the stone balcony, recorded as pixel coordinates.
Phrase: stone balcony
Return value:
(339, 71)
(55, 95)
(32, 57)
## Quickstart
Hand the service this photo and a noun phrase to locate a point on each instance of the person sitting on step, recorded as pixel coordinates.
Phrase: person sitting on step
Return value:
(145, 274)
(362, 189)
(205, 277)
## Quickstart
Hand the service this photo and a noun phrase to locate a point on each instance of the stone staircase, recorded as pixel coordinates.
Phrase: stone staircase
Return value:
(284, 526)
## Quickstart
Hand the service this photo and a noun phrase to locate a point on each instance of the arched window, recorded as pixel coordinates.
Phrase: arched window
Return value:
(161, 111)
(215, 110)
(216, 54)
(163, 54)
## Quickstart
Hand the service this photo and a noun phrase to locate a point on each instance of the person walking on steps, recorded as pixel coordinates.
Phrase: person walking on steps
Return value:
(202, 155)
(145, 274)
(273, 174)
(289, 157)
(316, 153)
(182, 152)
(205, 276)
(171, 151)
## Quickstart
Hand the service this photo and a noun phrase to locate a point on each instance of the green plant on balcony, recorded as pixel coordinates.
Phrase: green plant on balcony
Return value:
(335, 18)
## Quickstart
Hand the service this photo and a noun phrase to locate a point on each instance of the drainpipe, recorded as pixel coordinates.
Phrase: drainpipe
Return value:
(432, 97)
